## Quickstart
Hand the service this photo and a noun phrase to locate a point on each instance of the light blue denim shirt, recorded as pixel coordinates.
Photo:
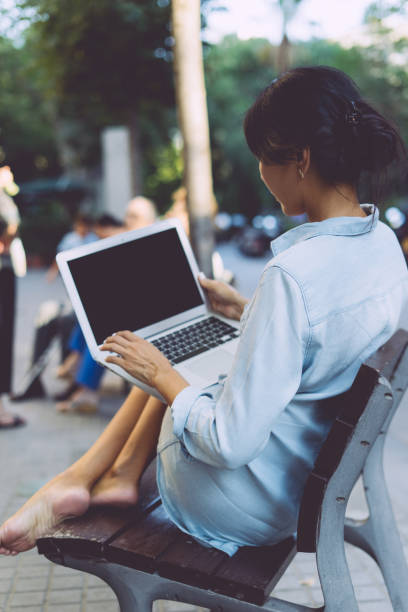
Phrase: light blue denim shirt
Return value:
(233, 459)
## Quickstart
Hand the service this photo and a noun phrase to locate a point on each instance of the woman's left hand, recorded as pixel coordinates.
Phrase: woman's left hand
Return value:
(137, 356)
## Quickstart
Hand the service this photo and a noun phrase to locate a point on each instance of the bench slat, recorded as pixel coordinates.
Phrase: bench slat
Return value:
(253, 571)
(86, 535)
(188, 561)
(142, 543)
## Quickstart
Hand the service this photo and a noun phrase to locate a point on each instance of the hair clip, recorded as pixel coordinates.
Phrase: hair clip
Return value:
(353, 117)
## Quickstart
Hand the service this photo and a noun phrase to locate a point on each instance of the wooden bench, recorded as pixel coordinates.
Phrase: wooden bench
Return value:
(143, 557)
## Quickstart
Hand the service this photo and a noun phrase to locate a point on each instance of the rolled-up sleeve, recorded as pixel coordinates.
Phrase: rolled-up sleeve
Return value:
(231, 429)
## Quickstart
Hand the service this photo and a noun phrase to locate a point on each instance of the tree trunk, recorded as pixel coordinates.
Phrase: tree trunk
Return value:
(283, 56)
(193, 120)
(135, 155)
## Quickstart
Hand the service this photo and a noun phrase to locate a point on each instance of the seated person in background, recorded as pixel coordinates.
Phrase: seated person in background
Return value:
(82, 233)
(82, 395)
(140, 212)
(233, 459)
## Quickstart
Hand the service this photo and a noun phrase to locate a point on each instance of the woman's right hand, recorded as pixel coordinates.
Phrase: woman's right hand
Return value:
(223, 298)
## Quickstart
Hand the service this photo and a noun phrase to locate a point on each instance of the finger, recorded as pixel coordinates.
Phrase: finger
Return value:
(127, 335)
(114, 347)
(118, 339)
(204, 281)
(114, 359)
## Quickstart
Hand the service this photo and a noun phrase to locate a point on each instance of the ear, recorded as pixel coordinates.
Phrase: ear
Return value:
(303, 160)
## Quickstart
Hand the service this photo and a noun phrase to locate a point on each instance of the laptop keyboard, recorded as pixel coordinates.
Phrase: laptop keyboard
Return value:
(195, 339)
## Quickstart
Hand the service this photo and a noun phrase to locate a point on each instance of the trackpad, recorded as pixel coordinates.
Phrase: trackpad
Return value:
(212, 365)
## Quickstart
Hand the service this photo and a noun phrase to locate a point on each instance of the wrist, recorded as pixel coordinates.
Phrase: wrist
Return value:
(169, 383)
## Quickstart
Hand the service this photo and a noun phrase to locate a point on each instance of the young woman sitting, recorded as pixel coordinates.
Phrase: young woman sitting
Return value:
(232, 460)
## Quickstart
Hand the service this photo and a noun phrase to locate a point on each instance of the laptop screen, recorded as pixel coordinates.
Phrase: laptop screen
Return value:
(135, 284)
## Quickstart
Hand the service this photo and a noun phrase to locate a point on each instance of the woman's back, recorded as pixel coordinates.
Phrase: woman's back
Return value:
(329, 298)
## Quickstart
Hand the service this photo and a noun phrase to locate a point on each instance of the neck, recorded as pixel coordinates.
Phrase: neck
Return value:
(324, 202)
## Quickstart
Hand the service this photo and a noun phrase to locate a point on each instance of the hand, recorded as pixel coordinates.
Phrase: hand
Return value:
(223, 298)
(145, 362)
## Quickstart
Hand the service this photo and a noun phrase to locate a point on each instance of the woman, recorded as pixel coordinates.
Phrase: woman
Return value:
(233, 459)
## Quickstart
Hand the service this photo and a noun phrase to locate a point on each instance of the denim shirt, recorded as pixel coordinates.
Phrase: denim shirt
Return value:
(233, 459)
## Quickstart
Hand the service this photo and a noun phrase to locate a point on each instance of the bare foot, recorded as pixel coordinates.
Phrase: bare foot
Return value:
(61, 498)
(82, 400)
(114, 490)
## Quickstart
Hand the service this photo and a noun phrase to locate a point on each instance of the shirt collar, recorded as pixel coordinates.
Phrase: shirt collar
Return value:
(335, 226)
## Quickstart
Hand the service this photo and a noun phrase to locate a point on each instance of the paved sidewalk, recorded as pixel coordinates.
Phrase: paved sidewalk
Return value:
(31, 455)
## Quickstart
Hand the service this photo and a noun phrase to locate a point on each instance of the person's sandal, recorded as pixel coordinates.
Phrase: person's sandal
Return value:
(16, 422)
(85, 402)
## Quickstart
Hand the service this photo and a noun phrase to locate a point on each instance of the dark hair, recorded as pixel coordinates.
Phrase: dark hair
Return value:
(321, 108)
(84, 219)
(107, 220)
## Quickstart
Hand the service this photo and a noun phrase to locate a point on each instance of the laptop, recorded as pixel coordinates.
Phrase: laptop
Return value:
(146, 281)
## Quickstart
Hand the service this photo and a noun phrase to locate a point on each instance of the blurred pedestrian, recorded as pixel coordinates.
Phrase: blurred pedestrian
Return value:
(140, 212)
(9, 222)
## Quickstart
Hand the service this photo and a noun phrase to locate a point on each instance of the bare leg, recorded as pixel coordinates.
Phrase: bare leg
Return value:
(68, 494)
(119, 485)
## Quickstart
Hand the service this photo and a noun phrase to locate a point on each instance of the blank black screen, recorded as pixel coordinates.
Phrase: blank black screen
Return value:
(132, 285)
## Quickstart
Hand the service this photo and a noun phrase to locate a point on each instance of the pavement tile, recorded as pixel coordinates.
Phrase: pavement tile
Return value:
(27, 609)
(109, 606)
(6, 573)
(64, 596)
(30, 598)
(7, 562)
(361, 578)
(299, 596)
(288, 582)
(100, 594)
(31, 571)
(375, 606)
(38, 583)
(5, 585)
(63, 608)
(176, 606)
(67, 582)
(369, 593)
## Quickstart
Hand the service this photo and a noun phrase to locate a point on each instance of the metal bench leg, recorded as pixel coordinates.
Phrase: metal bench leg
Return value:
(331, 559)
(378, 535)
(135, 595)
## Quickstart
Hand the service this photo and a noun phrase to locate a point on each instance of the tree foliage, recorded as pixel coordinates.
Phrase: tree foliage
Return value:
(104, 63)
(26, 133)
(104, 57)
(236, 71)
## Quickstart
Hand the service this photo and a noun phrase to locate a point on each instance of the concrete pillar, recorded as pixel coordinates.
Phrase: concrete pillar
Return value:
(116, 166)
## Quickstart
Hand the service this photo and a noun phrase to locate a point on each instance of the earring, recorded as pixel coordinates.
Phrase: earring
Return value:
(301, 173)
